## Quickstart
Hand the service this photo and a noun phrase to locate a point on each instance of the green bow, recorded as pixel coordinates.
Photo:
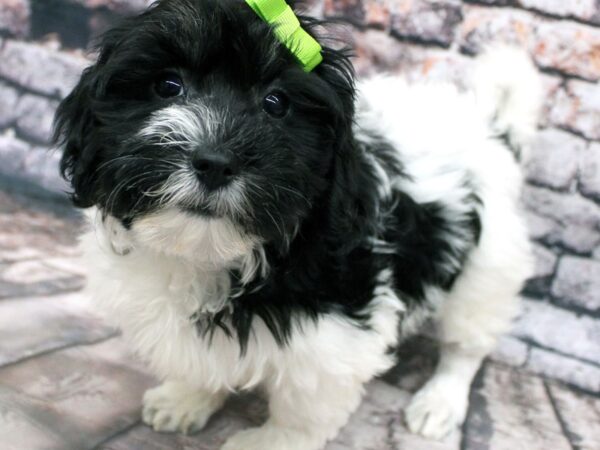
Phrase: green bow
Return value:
(286, 26)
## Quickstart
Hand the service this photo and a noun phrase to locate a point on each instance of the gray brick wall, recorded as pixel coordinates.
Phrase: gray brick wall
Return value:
(42, 45)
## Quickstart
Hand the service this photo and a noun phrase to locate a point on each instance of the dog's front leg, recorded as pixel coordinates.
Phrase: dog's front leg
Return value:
(304, 415)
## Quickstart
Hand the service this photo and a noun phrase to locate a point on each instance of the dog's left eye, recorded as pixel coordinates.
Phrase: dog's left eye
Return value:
(276, 104)
(168, 86)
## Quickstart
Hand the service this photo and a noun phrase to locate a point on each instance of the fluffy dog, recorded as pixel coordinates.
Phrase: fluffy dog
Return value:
(254, 224)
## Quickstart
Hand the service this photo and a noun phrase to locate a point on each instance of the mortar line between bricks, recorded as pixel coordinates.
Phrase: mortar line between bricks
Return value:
(529, 372)
(563, 303)
(535, 344)
(535, 11)
(590, 197)
(27, 90)
(481, 373)
(560, 74)
(557, 247)
(580, 311)
(421, 42)
(117, 434)
(59, 349)
(574, 132)
(463, 445)
(560, 302)
(389, 435)
(413, 40)
(563, 426)
(541, 184)
(577, 389)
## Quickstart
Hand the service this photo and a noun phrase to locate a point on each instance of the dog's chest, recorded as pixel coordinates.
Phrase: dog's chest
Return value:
(156, 301)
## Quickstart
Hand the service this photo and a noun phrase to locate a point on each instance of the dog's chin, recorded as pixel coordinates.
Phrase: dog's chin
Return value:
(204, 239)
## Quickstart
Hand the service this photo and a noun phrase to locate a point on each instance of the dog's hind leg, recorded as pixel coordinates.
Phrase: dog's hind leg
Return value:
(479, 308)
(441, 404)
(469, 325)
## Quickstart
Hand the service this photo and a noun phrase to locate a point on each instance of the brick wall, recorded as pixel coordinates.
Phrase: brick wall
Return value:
(42, 52)
(42, 46)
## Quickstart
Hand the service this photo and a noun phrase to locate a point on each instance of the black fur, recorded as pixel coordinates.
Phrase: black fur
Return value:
(316, 207)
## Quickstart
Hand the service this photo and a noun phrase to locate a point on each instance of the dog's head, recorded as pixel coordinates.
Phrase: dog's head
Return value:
(195, 117)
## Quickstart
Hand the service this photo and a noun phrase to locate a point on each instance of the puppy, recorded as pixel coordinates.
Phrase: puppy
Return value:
(257, 224)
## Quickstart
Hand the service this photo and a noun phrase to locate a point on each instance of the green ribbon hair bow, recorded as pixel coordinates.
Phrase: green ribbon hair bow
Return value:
(286, 26)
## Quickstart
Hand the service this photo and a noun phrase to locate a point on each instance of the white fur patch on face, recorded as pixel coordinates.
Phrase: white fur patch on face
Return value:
(183, 128)
(182, 189)
(179, 126)
(214, 241)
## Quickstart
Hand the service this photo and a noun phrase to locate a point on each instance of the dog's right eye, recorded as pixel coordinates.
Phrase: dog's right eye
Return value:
(168, 86)
(276, 104)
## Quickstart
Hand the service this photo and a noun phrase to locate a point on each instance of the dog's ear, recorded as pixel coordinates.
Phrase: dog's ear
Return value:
(73, 128)
(75, 123)
(338, 72)
(353, 190)
(353, 199)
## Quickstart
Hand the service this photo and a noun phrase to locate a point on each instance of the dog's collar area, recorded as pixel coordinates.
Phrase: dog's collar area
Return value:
(286, 26)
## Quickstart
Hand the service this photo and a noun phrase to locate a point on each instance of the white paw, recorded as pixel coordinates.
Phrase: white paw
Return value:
(437, 409)
(270, 437)
(173, 407)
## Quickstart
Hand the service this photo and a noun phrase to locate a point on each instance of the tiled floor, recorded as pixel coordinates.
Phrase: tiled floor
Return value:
(67, 380)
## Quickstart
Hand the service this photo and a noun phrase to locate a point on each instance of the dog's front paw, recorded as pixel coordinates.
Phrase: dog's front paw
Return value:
(271, 437)
(436, 410)
(174, 407)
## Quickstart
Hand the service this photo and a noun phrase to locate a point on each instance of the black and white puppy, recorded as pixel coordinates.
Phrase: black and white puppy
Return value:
(257, 225)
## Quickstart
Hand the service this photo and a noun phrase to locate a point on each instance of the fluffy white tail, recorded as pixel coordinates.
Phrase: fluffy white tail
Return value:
(509, 91)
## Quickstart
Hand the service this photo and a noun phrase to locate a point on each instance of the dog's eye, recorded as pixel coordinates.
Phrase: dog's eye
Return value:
(168, 86)
(276, 104)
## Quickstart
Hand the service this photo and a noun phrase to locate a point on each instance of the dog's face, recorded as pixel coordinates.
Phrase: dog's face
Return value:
(195, 112)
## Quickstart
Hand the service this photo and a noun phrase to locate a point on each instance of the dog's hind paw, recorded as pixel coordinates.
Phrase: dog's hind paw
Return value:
(436, 410)
(173, 407)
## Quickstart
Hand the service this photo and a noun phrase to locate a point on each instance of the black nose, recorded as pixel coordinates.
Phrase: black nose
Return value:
(214, 169)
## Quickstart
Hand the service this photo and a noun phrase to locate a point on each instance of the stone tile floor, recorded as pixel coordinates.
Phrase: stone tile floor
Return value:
(68, 382)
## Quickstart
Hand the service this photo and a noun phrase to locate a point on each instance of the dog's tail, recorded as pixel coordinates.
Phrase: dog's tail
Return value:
(509, 91)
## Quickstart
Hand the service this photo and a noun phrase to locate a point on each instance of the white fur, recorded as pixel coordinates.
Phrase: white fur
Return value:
(178, 263)
(173, 406)
(509, 93)
(178, 126)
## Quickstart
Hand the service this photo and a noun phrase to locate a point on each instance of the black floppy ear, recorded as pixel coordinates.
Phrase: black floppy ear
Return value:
(353, 199)
(338, 72)
(73, 131)
(75, 123)
(353, 194)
